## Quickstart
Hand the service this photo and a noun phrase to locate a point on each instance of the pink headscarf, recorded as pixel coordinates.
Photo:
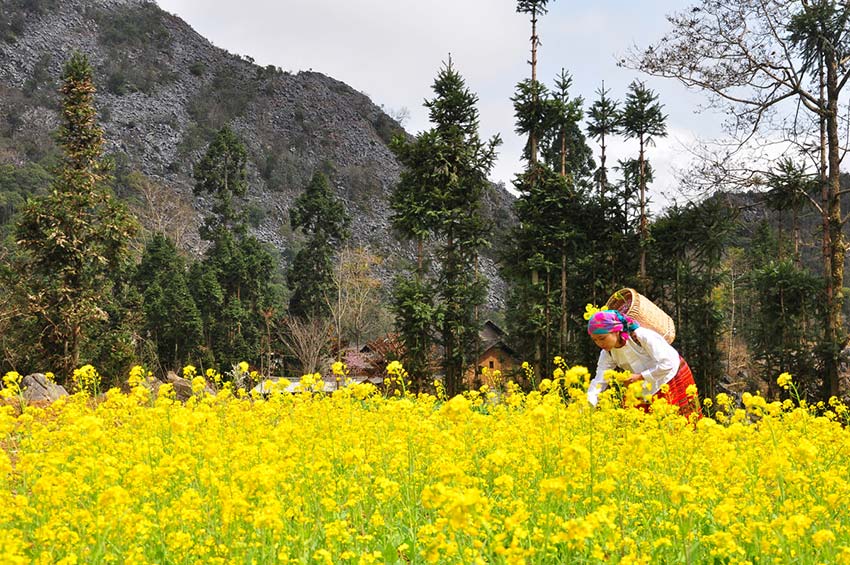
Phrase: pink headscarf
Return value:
(611, 321)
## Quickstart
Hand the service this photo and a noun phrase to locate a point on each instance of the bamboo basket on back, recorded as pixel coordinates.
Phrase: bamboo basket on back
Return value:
(634, 305)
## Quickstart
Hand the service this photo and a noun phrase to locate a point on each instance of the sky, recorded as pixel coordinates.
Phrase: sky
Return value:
(391, 50)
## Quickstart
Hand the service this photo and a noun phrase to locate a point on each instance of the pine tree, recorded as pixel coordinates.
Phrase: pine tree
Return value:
(76, 238)
(233, 284)
(533, 8)
(172, 320)
(553, 212)
(221, 173)
(604, 121)
(644, 120)
(321, 216)
(454, 178)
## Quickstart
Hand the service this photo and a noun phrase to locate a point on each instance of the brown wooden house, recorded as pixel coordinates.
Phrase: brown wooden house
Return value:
(495, 355)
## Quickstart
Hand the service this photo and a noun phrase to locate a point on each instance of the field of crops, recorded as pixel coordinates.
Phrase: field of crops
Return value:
(358, 476)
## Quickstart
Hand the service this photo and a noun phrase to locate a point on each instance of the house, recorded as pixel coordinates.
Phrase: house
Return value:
(496, 355)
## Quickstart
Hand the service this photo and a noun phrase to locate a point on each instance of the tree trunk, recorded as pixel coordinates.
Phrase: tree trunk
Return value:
(533, 137)
(834, 330)
(795, 226)
(563, 340)
(643, 234)
(563, 154)
(547, 341)
(603, 173)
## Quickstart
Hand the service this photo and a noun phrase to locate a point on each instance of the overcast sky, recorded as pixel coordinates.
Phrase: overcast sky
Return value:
(392, 50)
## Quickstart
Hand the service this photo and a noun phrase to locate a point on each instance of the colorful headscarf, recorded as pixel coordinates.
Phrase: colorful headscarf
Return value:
(611, 321)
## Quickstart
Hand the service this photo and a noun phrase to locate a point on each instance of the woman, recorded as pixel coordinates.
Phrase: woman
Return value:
(646, 355)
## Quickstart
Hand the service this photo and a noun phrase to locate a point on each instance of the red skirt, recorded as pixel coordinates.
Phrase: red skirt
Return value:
(676, 392)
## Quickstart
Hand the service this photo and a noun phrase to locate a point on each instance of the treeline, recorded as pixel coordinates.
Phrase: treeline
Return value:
(85, 284)
(745, 310)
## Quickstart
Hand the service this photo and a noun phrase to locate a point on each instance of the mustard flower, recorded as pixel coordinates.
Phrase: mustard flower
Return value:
(590, 310)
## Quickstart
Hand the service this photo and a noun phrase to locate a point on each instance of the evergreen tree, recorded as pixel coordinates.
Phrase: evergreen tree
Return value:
(565, 149)
(688, 244)
(551, 238)
(76, 238)
(323, 219)
(221, 172)
(532, 262)
(563, 145)
(414, 304)
(789, 189)
(415, 216)
(604, 121)
(233, 284)
(413, 205)
(531, 114)
(172, 320)
(454, 179)
(644, 120)
(533, 8)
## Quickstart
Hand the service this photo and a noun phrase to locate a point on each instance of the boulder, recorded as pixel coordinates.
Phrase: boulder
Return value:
(37, 387)
(183, 387)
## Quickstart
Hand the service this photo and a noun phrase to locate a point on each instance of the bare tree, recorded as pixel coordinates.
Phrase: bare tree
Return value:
(307, 339)
(754, 58)
(163, 210)
(355, 308)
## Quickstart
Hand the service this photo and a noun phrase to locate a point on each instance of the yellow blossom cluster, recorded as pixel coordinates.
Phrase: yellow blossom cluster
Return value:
(87, 379)
(355, 476)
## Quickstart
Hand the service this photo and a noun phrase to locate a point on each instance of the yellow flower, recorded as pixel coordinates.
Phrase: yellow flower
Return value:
(12, 382)
(87, 379)
(590, 310)
(189, 372)
(339, 368)
(823, 537)
(137, 376)
(784, 380)
(199, 383)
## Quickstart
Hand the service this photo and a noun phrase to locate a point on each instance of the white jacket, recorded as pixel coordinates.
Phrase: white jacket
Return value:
(654, 358)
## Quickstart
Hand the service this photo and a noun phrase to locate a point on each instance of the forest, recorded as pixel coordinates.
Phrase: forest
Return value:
(87, 281)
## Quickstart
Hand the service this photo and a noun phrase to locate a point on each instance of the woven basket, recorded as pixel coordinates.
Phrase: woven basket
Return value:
(634, 305)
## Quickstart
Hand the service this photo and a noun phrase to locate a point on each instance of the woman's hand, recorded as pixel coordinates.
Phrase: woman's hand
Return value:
(633, 379)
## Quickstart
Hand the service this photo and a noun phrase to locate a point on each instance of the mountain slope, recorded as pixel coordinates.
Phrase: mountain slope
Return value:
(164, 90)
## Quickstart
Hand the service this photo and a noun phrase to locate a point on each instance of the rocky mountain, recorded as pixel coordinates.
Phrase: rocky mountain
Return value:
(163, 92)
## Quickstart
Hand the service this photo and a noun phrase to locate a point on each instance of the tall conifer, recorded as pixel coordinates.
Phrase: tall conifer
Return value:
(454, 178)
(604, 121)
(236, 271)
(643, 119)
(76, 238)
(323, 219)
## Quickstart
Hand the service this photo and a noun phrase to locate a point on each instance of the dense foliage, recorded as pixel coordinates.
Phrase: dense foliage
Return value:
(445, 180)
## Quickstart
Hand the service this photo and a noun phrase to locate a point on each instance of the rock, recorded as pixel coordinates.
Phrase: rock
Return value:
(37, 387)
(183, 387)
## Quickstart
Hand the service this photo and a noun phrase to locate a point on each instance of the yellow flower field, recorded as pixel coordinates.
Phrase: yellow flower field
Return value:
(355, 477)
